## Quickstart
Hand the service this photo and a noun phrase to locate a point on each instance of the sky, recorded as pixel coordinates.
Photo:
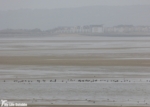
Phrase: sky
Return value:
(53, 4)
(26, 14)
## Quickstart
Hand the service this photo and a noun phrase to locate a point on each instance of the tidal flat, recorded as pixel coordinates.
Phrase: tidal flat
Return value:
(72, 70)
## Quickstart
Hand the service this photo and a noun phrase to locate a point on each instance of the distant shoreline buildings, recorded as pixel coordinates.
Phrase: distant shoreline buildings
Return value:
(79, 29)
(88, 29)
(102, 29)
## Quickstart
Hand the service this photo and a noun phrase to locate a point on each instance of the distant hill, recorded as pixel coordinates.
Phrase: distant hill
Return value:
(48, 19)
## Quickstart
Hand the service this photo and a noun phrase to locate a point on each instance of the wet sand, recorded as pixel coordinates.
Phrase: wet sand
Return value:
(71, 61)
(81, 58)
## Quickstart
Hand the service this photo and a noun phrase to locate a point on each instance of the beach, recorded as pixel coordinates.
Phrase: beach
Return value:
(75, 71)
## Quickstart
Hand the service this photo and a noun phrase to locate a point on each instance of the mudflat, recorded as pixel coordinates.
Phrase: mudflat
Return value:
(71, 61)
(75, 71)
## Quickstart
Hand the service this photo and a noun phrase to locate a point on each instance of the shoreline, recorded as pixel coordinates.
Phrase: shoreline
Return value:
(41, 34)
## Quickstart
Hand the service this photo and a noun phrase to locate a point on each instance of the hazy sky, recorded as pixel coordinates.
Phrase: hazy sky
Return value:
(51, 4)
(118, 13)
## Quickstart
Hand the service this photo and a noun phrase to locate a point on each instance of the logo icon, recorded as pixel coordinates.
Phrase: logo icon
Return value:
(5, 103)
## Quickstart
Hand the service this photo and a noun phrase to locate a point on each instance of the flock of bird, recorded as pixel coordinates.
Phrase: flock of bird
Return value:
(79, 80)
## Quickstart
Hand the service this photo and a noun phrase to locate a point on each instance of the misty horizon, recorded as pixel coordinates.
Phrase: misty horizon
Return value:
(46, 19)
